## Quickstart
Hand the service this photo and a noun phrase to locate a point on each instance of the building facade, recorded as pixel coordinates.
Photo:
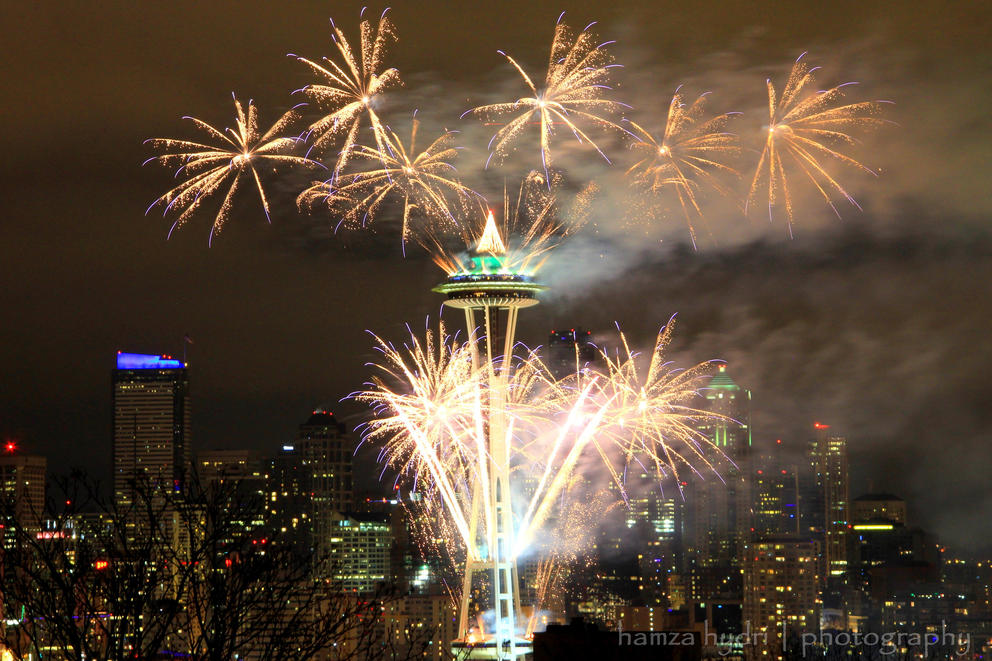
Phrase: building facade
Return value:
(781, 591)
(22, 486)
(324, 449)
(360, 545)
(151, 427)
(830, 507)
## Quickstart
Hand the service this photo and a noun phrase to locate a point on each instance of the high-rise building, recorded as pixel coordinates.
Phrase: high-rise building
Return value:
(214, 465)
(151, 423)
(288, 502)
(420, 624)
(829, 511)
(569, 350)
(325, 449)
(359, 545)
(716, 521)
(886, 556)
(22, 486)
(732, 431)
(239, 477)
(774, 486)
(781, 590)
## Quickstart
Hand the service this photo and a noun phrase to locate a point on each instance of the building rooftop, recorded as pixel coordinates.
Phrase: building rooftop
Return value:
(364, 517)
(321, 418)
(147, 361)
(878, 496)
(722, 380)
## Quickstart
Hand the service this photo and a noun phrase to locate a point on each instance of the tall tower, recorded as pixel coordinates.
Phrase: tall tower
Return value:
(569, 351)
(774, 485)
(829, 465)
(491, 296)
(22, 484)
(717, 511)
(151, 423)
(726, 398)
(325, 451)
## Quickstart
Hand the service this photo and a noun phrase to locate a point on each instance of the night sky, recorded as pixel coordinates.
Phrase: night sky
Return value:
(876, 324)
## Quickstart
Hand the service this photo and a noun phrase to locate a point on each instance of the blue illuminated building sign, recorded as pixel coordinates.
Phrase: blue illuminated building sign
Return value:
(146, 361)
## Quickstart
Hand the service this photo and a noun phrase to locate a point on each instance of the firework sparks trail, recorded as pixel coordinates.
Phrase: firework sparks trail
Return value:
(235, 154)
(350, 87)
(690, 152)
(431, 403)
(628, 416)
(574, 92)
(805, 127)
(565, 548)
(424, 181)
(531, 223)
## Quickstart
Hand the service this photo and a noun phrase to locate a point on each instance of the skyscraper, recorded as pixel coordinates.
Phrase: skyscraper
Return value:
(22, 486)
(289, 505)
(151, 423)
(716, 510)
(732, 433)
(829, 514)
(569, 350)
(359, 547)
(781, 588)
(325, 449)
(774, 485)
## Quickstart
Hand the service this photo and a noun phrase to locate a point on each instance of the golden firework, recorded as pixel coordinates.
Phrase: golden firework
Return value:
(431, 403)
(351, 85)
(573, 93)
(423, 181)
(805, 127)
(532, 226)
(691, 152)
(236, 153)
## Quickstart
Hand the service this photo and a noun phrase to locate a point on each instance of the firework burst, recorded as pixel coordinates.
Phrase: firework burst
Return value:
(431, 402)
(625, 417)
(690, 153)
(566, 548)
(805, 128)
(235, 154)
(573, 92)
(530, 229)
(351, 85)
(423, 181)
(654, 411)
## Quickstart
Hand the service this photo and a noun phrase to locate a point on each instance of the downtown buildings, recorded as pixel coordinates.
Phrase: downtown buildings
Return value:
(753, 553)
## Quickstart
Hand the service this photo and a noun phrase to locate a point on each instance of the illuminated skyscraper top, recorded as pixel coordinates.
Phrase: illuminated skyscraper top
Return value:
(728, 399)
(151, 422)
(145, 361)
